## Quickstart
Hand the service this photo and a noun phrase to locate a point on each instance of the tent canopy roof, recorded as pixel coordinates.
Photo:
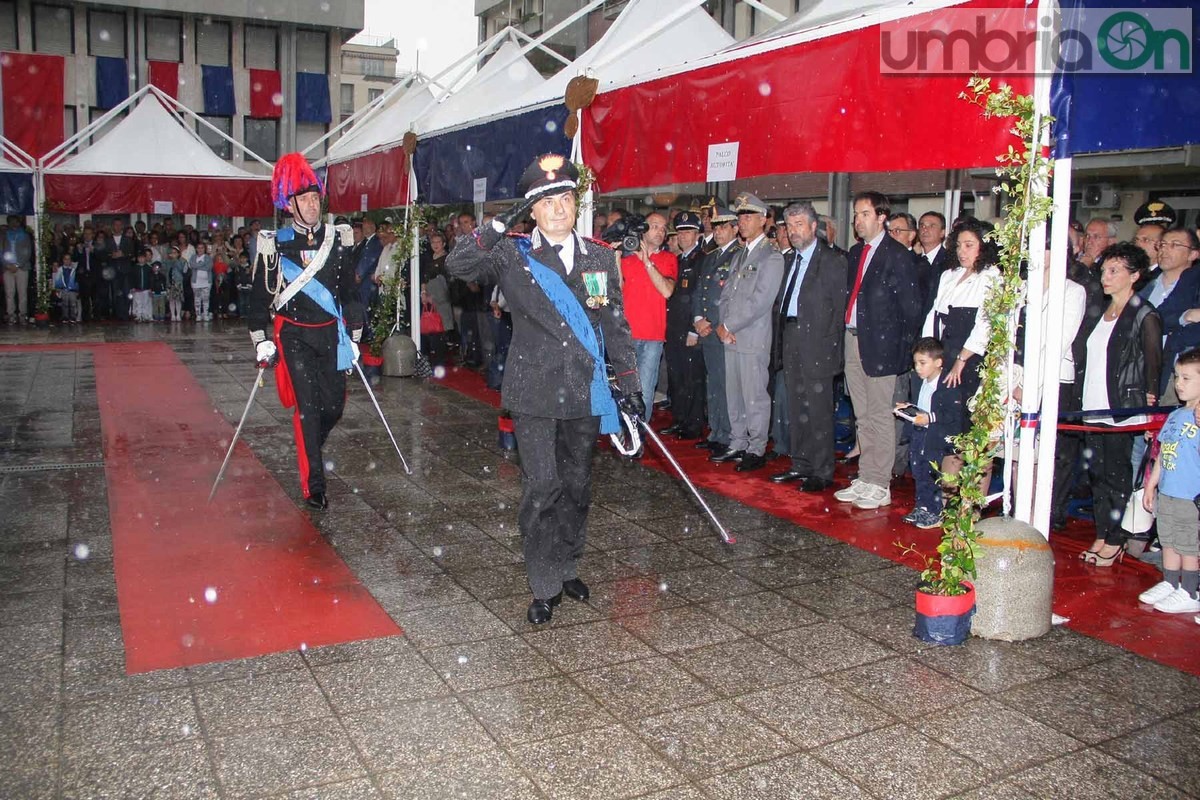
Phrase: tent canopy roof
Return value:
(502, 80)
(625, 50)
(386, 126)
(151, 141)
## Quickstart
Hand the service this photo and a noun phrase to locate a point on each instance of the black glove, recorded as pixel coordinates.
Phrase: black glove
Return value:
(633, 405)
(494, 231)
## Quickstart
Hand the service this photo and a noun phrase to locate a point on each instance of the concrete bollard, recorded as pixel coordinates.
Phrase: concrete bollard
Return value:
(1015, 581)
(399, 356)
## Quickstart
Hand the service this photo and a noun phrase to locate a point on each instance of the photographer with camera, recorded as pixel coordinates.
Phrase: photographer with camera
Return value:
(648, 279)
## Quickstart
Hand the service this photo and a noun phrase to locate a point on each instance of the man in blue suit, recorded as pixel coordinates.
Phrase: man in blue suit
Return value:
(883, 317)
(368, 259)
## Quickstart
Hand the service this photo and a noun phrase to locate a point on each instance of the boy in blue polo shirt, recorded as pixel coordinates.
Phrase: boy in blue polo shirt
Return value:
(1176, 482)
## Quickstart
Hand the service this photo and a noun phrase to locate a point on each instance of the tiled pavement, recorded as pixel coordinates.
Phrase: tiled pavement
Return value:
(783, 667)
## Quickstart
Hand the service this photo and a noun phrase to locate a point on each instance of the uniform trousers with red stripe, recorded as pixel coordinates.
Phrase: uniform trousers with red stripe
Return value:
(319, 392)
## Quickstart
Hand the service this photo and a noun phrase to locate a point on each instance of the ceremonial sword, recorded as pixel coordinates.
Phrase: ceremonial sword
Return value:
(258, 381)
(631, 422)
(382, 418)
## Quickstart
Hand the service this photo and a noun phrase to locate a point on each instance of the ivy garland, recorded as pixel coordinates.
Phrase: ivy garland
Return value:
(45, 274)
(391, 292)
(1023, 176)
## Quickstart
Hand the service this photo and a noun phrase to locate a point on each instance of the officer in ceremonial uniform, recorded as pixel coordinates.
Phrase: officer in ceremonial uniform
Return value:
(304, 307)
(685, 361)
(714, 271)
(564, 294)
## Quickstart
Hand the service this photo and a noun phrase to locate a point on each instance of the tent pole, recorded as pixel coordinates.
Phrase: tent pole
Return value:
(1048, 428)
(1041, 360)
(583, 224)
(414, 260)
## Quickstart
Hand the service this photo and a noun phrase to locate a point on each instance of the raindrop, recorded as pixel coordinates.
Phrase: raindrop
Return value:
(669, 146)
(662, 587)
(325, 7)
(277, 99)
(303, 647)
(210, 595)
(439, 372)
(437, 552)
(105, 35)
(462, 659)
(187, 640)
(329, 466)
(187, 730)
(82, 551)
(764, 89)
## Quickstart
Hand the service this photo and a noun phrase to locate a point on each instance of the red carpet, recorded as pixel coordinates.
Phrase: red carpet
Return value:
(1101, 603)
(197, 583)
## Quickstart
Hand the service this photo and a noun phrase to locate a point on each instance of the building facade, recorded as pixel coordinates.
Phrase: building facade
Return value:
(368, 69)
(293, 47)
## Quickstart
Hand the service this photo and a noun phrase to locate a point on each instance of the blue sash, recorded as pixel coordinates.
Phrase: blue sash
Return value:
(319, 294)
(569, 308)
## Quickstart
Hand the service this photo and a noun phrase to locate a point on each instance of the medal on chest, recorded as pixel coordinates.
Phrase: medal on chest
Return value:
(306, 256)
(596, 282)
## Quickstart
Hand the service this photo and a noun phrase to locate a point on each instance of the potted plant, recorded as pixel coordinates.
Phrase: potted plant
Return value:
(946, 597)
(389, 315)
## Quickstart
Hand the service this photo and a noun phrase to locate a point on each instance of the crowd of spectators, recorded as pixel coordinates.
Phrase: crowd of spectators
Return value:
(132, 273)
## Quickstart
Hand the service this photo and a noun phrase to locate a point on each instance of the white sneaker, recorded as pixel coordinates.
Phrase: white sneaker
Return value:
(850, 493)
(1155, 593)
(872, 496)
(1178, 602)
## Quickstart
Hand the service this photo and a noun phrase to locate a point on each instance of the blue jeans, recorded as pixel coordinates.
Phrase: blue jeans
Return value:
(649, 354)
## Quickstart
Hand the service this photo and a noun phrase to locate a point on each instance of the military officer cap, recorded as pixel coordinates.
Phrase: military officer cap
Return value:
(1155, 212)
(687, 220)
(722, 214)
(549, 174)
(746, 203)
(341, 221)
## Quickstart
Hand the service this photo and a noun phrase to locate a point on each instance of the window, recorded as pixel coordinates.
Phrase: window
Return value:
(312, 52)
(218, 144)
(375, 67)
(261, 47)
(8, 25)
(164, 39)
(347, 99)
(106, 33)
(53, 29)
(262, 137)
(212, 43)
(70, 122)
(374, 94)
(306, 134)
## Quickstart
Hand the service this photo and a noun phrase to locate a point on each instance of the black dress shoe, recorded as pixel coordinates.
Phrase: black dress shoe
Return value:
(728, 455)
(787, 477)
(688, 435)
(814, 484)
(317, 501)
(704, 444)
(751, 462)
(541, 610)
(670, 429)
(576, 590)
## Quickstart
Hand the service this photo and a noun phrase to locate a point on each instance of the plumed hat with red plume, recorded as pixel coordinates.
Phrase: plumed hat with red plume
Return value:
(293, 176)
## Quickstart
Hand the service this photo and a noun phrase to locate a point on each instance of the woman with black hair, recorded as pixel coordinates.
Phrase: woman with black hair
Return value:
(957, 317)
(1118, 361)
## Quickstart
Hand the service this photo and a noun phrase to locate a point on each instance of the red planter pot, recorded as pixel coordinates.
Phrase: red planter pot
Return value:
(944, 619)
(369, 360)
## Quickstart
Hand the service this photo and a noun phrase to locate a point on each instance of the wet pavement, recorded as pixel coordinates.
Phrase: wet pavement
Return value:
(782, 667)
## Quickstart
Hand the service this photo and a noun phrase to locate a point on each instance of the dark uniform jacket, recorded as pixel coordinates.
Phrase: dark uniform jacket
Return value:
(714, 271)
(337, 275)
(548, 372)
(820, 314)
(889, 308)
(679, 304)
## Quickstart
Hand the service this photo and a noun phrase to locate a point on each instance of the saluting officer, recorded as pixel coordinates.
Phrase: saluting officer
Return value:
(564, 294)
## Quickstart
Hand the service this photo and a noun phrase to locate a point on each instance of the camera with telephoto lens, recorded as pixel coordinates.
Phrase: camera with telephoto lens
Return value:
(627, 231)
